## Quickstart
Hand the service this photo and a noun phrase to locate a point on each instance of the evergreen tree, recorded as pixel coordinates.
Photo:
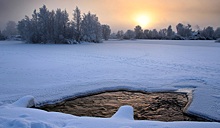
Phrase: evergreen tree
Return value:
(65, 20)
(51, 27)
(25, 28)
(91, 28)
(35, 28)
(60, 26)
(77, 20)
(43, 19)
(70, 31)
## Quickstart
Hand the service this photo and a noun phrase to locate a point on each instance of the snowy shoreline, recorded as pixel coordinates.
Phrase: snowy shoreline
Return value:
(115, 89)
(18, 115)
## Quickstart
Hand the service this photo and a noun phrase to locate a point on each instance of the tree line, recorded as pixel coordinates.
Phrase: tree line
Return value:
(183, 32)
(55, 27)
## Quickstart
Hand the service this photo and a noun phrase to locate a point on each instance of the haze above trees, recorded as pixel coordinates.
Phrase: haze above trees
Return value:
(55, 27)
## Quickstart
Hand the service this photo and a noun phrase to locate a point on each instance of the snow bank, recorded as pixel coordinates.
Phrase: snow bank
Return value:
(26, 102)
(12, 116)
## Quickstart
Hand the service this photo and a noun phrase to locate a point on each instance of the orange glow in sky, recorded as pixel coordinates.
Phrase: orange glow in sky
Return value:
(143, 20)
(126, 14)
(149, 14)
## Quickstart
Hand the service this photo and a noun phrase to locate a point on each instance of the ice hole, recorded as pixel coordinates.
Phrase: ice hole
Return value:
(161, 106)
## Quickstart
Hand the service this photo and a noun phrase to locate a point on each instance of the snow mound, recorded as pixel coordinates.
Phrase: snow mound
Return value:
(26, 102)
(124, 112)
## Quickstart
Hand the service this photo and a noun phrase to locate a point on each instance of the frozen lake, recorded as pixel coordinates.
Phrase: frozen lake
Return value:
(55, 72)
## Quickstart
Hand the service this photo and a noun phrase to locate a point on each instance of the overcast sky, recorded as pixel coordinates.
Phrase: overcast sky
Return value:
(122, 14)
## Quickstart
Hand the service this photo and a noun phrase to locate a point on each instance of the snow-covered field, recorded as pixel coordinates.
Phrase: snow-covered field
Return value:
(55, 72)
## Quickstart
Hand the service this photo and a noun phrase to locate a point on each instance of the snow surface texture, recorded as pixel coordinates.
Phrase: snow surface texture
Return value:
(12, 116)
(52, 73)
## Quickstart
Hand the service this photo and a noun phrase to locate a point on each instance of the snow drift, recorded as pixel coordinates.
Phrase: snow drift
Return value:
(12, 116)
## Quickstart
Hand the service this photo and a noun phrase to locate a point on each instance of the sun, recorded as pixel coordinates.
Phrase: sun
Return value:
(142, 20)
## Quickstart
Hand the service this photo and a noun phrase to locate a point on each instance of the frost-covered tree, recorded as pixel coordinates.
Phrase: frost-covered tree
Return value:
(154, 34)
(11, 29)
(54, 27)
(60, 25)
(43, 23)
(25, 28)
(35, 28)
(113, 35)
(51, 27)
(170, 32)
(70, 31)
(77, 23)
(138, 32)
(2, 37)
(21, 28)
(130, 34)
(162, 34)
(180, 29)
(150, 34)
(146, 34)
(184, 31)
(120, 34)
(208, 33)
(65, 20)
(106, 31)
(217, 33)
(91, 28)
